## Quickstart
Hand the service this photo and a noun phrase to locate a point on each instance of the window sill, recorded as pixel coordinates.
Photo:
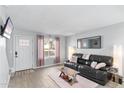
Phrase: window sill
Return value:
(49, 57)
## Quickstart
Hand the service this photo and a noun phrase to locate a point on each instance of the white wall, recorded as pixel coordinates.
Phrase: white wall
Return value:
(4, 67)
(10, 46)
(111, 35)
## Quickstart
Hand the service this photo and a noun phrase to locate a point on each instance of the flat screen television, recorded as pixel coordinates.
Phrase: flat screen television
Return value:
(89, 42)
(7, 29)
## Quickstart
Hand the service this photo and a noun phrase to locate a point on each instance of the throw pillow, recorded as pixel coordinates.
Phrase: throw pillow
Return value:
(86, 56)
(100, 65)
(74, 59)
(93, 64)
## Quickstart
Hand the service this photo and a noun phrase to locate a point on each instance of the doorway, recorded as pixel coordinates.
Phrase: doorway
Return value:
(23, 52)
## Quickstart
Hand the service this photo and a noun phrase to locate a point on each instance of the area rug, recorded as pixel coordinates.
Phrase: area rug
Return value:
(82, 82)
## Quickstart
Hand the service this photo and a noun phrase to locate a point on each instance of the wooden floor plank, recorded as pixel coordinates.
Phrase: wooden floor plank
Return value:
(39, 78)
(33, 79)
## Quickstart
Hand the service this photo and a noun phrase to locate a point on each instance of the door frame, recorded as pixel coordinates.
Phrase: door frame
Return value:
(14, 49)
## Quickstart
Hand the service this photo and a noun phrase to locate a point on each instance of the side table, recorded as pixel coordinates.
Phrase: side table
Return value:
(115, 76)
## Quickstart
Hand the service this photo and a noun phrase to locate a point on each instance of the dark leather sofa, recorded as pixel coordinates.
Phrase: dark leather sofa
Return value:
(100, 76)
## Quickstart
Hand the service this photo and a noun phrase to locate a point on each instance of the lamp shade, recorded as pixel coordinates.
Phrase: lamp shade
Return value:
(71, 50)
(117, 55)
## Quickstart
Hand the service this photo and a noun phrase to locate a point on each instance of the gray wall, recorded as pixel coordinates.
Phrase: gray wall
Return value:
(10, 46)
(4, 67)
(111, 35)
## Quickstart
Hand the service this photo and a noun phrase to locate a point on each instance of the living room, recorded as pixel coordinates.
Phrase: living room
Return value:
(54, 46)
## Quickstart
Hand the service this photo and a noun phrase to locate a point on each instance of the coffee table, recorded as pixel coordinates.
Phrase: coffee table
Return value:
(68, 74)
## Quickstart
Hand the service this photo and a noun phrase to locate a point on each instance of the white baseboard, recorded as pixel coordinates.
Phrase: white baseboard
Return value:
(8, 80)
(48, 65)
(6, 83)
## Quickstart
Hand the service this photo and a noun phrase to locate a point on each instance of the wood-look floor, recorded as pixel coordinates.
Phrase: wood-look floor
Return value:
(37, 78)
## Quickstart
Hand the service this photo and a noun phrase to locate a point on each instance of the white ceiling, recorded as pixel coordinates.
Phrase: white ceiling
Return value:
(64, 20)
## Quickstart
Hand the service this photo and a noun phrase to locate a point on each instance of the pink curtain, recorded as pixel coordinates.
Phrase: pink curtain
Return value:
(57, 60)
(40, 50)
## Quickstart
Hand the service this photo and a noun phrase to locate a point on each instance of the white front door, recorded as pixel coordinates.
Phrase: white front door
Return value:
(23, 52)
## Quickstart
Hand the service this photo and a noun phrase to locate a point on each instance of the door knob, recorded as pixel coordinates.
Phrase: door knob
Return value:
(16, 54)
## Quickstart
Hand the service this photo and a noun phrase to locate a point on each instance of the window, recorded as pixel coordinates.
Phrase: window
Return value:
(49, 47)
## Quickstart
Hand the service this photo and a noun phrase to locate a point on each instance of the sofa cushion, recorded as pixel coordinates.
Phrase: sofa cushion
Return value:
(71, 65)
(96, 74)
(99, 58)
(101, 75)
(84, 68)
(87, 70)
(83, 61)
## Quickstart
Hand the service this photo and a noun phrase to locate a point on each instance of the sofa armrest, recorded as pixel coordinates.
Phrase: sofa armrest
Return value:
(105, 68)
(67, 60)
